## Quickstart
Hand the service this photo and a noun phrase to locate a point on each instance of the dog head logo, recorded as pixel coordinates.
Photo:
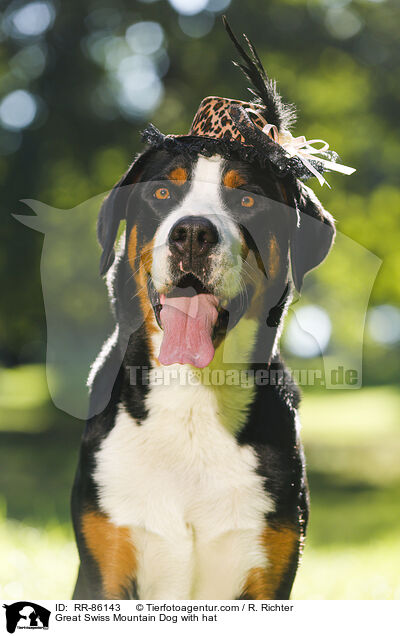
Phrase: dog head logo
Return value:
(26, 615)
(78, 317)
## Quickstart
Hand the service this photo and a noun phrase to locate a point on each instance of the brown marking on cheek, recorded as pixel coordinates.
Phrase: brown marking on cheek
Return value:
(112, 549)
(274, 256)
(146, 262)
(284, 193)
(244, 247)
(253, 277)
(279, 545)
(146, 257)
(256, 305)
(132, 247)
(141, 272)
(178, 175)
(232, 179)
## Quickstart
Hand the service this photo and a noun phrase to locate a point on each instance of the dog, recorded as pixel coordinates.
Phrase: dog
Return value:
(191, 480)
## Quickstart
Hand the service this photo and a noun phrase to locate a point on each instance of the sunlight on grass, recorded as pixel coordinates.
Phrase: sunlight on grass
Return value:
(38, 563)
(365, 572)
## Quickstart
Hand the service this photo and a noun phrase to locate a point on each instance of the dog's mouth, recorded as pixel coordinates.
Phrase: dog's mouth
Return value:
(194, 320)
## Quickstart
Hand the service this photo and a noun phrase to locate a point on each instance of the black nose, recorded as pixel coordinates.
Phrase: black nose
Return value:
(192, 237)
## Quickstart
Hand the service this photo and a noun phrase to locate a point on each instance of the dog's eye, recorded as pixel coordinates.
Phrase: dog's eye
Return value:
(247, 202)
(162, 193)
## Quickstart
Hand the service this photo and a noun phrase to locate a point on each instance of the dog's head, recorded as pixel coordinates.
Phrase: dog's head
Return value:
(218, 225)
(209, 241)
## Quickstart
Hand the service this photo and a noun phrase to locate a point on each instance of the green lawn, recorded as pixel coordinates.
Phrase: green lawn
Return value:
(352, 445)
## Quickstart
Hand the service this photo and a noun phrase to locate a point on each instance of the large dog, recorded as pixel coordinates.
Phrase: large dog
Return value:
(191, 481)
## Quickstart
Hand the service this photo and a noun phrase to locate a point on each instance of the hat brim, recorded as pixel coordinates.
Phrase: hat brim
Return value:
(194, 145)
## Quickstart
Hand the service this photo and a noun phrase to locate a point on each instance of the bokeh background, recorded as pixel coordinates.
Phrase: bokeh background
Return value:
(79, 80)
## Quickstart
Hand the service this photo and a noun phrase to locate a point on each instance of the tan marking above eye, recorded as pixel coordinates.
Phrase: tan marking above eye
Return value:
(162, 193)
(179, 175)
(232, 179)
(248, 201)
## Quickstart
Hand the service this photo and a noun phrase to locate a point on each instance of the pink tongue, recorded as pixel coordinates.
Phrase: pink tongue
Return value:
(188, 324)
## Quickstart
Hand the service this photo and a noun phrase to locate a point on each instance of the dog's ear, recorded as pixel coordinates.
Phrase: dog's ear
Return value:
(312, 236)
(113, 211)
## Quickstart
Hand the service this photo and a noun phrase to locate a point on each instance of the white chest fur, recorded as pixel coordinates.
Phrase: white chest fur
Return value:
(188, 492)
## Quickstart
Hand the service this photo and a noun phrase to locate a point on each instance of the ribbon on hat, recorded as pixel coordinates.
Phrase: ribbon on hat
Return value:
(303, 149)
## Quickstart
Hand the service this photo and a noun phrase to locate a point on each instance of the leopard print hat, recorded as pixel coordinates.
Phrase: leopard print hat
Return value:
(213, 119)
(231, 127)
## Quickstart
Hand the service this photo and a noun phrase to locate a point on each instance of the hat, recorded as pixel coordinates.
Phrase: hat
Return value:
(256, 131)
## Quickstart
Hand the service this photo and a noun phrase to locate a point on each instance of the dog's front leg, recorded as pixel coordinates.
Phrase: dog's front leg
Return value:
(108, 559)
(282, 543)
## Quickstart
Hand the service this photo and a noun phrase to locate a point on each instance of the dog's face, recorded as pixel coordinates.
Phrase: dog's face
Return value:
(208, 241)
(204, 206)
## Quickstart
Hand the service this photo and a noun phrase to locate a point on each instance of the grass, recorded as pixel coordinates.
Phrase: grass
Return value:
(38, 562)
(352, 445)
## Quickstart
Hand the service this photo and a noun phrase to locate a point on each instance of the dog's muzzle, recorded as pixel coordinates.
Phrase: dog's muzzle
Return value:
(191, 241)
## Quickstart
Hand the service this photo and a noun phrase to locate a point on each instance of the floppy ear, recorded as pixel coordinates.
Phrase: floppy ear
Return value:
(113, 211)
(313, 236)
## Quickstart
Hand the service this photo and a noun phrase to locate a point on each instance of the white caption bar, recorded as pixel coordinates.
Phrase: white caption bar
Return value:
(199, 617)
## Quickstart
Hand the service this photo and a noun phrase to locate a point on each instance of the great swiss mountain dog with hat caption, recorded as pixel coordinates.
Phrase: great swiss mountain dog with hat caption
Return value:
(191, 480)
